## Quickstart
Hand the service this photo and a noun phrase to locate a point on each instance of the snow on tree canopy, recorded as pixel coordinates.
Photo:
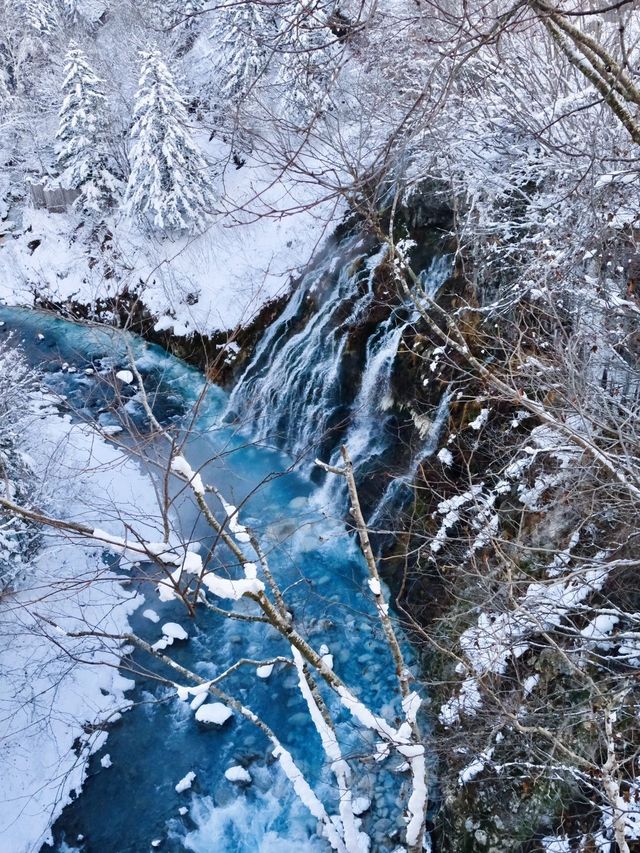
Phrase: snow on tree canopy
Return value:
(84, 157)
(169, 188)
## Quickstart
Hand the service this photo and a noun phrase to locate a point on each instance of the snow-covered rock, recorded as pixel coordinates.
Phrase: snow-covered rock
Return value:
(215, 714)
(186, 782)
(238, 774)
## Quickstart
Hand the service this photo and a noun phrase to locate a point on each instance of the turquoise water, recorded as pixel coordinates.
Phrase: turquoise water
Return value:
(125, 807)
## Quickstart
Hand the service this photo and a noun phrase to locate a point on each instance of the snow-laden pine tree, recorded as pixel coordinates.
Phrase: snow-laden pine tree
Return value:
(242, 37)
(308, 59)
(41, 16)
(84, 157)
(182, 14)
(170, 186)
(69, 12)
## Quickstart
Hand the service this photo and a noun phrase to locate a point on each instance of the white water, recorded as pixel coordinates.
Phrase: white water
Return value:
(296, 392)
(289, 392)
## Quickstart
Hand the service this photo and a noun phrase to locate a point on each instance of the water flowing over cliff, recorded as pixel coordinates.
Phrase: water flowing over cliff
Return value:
(322, 376)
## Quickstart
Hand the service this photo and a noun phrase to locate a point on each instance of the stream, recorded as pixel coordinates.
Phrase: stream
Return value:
(133, 803)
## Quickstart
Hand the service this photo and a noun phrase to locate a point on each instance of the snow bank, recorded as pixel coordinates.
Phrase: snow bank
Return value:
(44, 697)
(212, 282)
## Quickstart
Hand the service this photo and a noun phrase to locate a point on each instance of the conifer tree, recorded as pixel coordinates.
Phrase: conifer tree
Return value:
(307, 59)
(69, 12)
(84, 159)
(243, 55)
(41, 17)
(185, 15)
(170, 184)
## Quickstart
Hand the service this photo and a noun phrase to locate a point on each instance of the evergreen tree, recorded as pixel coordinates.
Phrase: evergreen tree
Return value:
(69, 12)
(41, 16)
(169, 186)
(243, 56)
(308, 59)
(84, 159)
(182, 15)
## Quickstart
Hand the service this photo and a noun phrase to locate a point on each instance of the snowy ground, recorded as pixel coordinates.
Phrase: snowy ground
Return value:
(50, 685)
(215, 281)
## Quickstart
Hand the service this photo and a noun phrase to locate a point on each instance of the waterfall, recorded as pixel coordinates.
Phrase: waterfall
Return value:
(290, 394)
(370, 434)
(310, 388)
(398, 492)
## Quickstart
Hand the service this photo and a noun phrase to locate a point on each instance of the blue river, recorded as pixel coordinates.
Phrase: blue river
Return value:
(132, 806)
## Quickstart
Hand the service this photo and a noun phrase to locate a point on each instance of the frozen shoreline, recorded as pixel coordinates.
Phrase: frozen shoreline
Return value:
(46, 697)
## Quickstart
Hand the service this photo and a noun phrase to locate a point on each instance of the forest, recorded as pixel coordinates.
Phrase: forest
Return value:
(319, 426)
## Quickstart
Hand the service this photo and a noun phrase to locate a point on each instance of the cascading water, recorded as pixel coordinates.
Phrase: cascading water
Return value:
(369, 434)
(299, 391)
(289, 395)
(399, 490)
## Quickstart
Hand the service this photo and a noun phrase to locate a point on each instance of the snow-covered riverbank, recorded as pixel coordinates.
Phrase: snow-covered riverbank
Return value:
(56, 692)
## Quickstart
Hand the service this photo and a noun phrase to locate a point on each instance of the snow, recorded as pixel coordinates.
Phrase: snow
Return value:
(105, 761)
(498, 638)
(264, 671)
(245, 258)
(151, 615)
(232, 589)
(374, 586)
(215, 714)
(87, 476)
(469, 773)
(238, 530)
(411, 705)
(354, 840)
(110, 429)
(481, 420)
(179, 465)
(467, 702)
(445, 456)
(325, 654)
(554, 844)
(417, 803)
(198, 699)
(171, 631)
(125, 376)
(186, 782)
(169, 187)
(237, 774)
(600, 627)
(450, 509)
(360, 805)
